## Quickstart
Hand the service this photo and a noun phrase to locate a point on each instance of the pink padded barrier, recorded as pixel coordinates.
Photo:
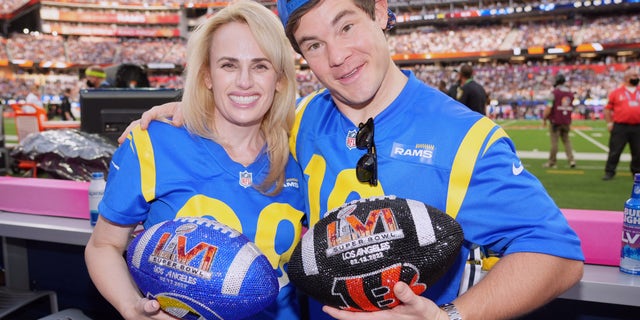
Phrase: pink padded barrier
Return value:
(51, 197)
(600, 233)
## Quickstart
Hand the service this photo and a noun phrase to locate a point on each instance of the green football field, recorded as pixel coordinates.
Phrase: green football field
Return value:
(581, 187)
(578, 188)
(588, 135)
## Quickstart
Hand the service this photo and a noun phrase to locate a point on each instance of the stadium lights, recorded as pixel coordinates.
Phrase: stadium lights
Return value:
(589, 47)
(160, 65)
(556, 50)
(547, 7)
(53, 64)
(624, 53)
(535, 50)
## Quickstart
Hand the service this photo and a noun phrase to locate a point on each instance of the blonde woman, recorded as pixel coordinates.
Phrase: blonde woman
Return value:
(230, 161)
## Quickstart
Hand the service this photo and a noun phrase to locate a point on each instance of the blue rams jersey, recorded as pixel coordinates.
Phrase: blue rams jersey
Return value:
(166, 172)
(432, 149)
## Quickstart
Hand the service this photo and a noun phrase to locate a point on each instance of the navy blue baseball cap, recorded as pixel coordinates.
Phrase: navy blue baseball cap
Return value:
(287, 7)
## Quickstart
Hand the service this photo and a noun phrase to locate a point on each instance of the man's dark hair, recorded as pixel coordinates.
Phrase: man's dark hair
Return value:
(129, 75)
(466, 71)
(559, 80)
(368, 6)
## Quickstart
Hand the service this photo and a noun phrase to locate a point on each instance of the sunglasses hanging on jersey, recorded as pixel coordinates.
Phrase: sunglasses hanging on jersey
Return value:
(367, 167)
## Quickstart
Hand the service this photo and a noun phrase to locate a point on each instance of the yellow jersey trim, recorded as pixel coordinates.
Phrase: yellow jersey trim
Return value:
(302, 105)
(147, 162)
(465, 159)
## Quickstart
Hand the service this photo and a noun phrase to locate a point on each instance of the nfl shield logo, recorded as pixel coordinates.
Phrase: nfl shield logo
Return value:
(351, 139)
(246, 179)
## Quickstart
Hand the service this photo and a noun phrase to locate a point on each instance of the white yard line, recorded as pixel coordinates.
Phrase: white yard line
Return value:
(578, 155)
(588, 138)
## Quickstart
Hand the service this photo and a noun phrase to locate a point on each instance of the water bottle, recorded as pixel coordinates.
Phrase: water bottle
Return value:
(630, 253)
(96, 191)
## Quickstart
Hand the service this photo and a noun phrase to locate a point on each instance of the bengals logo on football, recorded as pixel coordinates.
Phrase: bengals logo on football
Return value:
(351, 290)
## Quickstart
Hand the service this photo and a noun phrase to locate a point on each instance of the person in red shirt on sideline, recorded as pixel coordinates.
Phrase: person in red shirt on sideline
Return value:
(558, 112)
(622, 114)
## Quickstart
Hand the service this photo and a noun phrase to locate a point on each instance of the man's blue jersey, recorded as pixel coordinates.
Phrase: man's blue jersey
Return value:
(433, 149)
(166, 172)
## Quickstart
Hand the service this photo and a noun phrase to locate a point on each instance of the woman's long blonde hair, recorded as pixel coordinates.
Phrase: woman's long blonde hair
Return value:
(198, 101)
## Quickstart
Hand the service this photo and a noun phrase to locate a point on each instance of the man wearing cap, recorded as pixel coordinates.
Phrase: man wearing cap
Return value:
(558, 112)
(429, 148)
(426, 147)
(96, 77)
(622, 114)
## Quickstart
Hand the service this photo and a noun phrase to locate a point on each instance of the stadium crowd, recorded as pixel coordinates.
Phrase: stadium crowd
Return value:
(513, 84)
(522, 88)
(429, 7)
(471, 38)
(10, 6)
(87, 50)
(428, 39)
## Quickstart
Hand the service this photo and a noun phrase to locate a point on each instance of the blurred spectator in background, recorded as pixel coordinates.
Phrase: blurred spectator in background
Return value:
(622, 114)
(65, 106)
(558, 111)
(96, 77)
(33, 96)
(130, 75)
(453, 89)
(442, 85)
(470, 93)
